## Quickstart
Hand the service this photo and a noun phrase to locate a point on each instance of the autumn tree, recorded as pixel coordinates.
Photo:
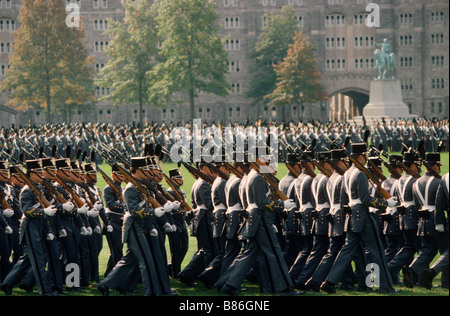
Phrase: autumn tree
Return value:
(193, 57)
(298, 80)
(133, 54)
(270, 49)
(50, 64)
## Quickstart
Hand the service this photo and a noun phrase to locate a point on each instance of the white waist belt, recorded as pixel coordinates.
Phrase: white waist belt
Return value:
(429, 208)
(322, 206)
(235, 207)
(221, 206)
(252, 206)
(108, 211)
(334, 208)
(200, 207)
(303, 207)
(355, 202)
(408, 204)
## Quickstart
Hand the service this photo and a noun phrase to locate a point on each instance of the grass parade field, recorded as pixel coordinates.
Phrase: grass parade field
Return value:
(251, 289)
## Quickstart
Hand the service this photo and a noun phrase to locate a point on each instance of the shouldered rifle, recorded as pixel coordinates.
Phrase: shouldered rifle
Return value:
(74, 196)
(39, 195)
(399, 163)
(269, 180)
(178, 194)
(51, 189)
(110, 182)
(371, 177)
(144, 192)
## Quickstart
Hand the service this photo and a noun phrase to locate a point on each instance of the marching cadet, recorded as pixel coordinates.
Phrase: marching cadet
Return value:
(376, 165)
(262, 239)
(69, 238)
(361, 227)
(179, 238)
(95, 241)
(5, 213)
(32, 231)
(441, 264)
(211, 273)
(336, 221)
(431, 227)
(54, 226)
(115, 211)
(391, 230)
(291, 222)
(201, 227)
(320, 223)
(138, 253)
(306, 203)
(408, 214)
(14, 221)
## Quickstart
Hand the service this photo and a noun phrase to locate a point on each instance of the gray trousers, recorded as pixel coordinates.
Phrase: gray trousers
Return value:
(264, 242)
(370, 237)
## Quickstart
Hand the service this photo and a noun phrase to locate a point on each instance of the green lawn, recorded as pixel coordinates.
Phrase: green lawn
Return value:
(252, 289)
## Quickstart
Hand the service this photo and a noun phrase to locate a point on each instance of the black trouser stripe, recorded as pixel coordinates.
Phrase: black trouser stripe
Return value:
(141, 248)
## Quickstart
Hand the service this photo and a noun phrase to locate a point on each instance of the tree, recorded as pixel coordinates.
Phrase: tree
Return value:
(193, 57)
(133, 50)
(298, 80)
(270, 49)
(49, 65)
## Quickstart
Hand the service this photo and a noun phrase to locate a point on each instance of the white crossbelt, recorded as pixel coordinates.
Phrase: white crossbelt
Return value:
(235, 207)
(425, 205)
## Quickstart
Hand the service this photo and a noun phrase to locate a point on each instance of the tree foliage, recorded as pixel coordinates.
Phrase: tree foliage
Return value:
(270, 49)
(49, 66)
(193, 58)
(133, 52)
(298, 80)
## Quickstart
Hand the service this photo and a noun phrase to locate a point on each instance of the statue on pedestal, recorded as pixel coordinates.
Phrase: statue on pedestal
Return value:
(386, 60)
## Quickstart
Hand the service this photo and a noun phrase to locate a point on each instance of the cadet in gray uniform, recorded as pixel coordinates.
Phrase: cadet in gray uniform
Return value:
(290, 221)
(261, 237)
(306, 206)
(441, 265)
(431, 228)
(361, 226)
(408, 216)
(135, 236)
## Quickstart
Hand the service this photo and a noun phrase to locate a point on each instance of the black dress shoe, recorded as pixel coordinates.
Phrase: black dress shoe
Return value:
(103, 289)
(226, 289)
(313, 286)
(409, 277)
(7, 289)
(290, 292)
(328, 287)
(426, 279)
(349, 287)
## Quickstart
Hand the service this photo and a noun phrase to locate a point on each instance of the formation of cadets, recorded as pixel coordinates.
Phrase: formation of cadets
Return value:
(300, 233)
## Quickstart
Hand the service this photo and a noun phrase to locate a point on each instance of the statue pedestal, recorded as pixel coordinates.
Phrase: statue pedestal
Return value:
(386, 100)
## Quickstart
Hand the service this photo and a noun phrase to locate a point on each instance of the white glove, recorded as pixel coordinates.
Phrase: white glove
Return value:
(92, 213)
(392, 211)
(176, 205)
(153, 232)
(168, 207)
(288, 204)
(89, 231)
(168, 228)
(68, 206)
(98, 205)
(50, 236)
(275, 228)
(97, 230)
(392, 201)
(159, 211)
(8, 230)
(174, 228)
(109, 228)
(83, 210)
(440, 228)
(83, 231)
(8, 212)
(50, 211)
(62, 233)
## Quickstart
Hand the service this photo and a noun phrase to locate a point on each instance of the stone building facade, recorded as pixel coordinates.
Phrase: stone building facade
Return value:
(417, 31)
